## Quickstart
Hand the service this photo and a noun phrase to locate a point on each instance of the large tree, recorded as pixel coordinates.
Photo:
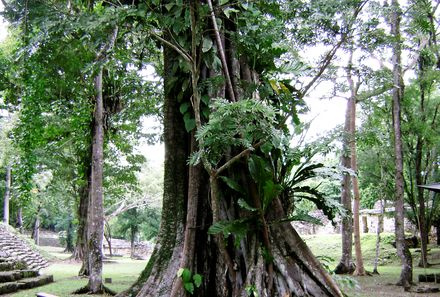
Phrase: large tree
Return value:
(239, 182)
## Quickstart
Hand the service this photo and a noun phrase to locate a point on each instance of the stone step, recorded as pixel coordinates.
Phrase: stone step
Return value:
(7, 266)
(6, 288)
(10, 276)
(14, 275)
(26, 283)
(33, 282)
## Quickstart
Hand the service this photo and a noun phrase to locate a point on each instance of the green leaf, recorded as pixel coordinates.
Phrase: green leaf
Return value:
(245, 205)
(185, 275)
(184, 107)
(232, 184)
(259, 170)
(180, 272)
(237, 227)
(197, 278)
(228, 11)
(207, 44)
(223, 2)
(266, 147)
(271, 190)
(189, 287)
(190, 123)
(169, 6)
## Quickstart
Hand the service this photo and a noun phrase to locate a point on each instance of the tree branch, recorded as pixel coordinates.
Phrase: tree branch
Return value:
(330, 54)
(222, 53)
(174, 47)
(236, 158)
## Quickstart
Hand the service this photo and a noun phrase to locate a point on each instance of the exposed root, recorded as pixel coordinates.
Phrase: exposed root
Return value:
(344, 269)
(86, 290)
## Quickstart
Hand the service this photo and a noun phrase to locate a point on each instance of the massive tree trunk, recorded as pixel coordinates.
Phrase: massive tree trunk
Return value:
(346, 263)
(397, 95)
(271, 260)
(157, 278)
(7, 195)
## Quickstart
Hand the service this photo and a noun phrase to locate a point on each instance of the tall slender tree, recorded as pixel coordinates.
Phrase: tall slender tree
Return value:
(397, 95)
(352, 101)
(7, 195)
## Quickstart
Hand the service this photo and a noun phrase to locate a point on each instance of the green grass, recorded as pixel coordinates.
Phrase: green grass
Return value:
(122, 270)
(125, 271)
(329, 246)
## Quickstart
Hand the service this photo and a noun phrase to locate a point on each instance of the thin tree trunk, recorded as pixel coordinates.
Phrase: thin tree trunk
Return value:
(346, 263)
(397, 95)
(359, 270)
(365, 224)
(81, 253)
(36, 229)
(437, 229)
(108, 238)
(95, 215)
(7, 195)
(69, 238)
(20, 220)
(378, 231)
(422, 210)
(189, 246)
(419, 174)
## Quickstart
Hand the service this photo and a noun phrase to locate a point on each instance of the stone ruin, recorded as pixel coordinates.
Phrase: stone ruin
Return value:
(19, 263)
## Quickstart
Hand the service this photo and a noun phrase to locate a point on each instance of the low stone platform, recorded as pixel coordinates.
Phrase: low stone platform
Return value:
(15, 276)
(19, 264)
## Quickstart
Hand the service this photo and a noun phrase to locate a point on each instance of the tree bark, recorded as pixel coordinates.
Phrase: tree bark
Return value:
(437, 229)
(7, 195)
(359, 270)
(346, 263)
(36, 229)
(158, 277)
(379, 230)
(365, 224)
(108, 238)
(95, 219)
(81, 253)
(69, 238)
(20, 220)
(422, 210)
(397, 95)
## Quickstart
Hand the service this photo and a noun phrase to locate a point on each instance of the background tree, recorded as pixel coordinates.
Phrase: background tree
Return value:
(397, 95)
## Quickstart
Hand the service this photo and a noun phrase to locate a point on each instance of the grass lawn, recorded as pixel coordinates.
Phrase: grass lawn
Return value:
(329, 247)
(125, 271)
(122, 270)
